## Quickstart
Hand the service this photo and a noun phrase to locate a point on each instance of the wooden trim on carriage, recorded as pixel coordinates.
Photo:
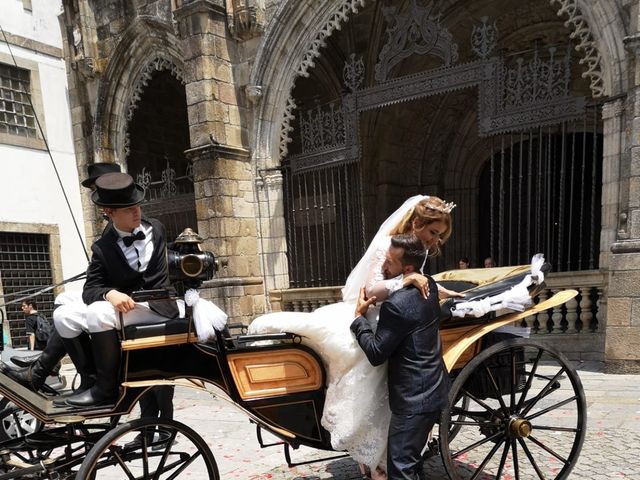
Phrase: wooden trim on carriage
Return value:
(158, 341)
(266, 374)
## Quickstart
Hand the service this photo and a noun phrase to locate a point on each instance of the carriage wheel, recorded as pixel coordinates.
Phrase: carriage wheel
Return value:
(526, 417)
(149, 448)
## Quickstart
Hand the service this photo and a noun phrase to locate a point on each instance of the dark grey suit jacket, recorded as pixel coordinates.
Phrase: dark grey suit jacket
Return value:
(408, 337)
(109, 270)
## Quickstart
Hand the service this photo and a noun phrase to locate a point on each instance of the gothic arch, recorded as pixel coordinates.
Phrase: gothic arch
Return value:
(146, 46)
(596, 28)
(294, 23)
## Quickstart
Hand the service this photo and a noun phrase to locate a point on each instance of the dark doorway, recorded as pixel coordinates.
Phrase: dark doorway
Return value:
(159, 133)
(540, 193)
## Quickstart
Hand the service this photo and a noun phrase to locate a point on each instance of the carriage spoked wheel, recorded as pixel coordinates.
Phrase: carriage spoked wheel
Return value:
(526, 415)
(149, 448)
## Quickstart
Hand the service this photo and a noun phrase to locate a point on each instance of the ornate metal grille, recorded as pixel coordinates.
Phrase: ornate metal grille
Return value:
(169, 197)
(324, 224)
(542, 191)
(24, 263)
(16, 114)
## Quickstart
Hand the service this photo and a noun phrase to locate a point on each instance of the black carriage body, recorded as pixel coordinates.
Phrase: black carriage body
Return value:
(280, 386)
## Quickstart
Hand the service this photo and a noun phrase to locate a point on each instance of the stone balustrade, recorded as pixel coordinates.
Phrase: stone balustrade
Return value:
(575, 327)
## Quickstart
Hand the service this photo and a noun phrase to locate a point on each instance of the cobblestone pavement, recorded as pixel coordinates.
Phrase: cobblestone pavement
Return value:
(609, 451)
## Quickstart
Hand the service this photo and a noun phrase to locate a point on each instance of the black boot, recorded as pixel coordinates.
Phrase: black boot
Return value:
(85, 366)
(82, 356)
(106, 355)
(35, 375)
(24, 376)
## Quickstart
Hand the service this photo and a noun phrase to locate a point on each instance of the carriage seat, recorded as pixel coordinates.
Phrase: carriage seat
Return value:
(472, 291)
(169, 327)
(169, 332)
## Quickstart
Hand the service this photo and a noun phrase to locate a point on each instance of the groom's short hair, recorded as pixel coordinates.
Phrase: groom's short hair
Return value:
(413, 249)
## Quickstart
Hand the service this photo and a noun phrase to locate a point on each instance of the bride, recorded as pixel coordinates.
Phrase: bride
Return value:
(356, 411)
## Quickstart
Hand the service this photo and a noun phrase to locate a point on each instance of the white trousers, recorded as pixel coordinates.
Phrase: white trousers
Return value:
(76, 317)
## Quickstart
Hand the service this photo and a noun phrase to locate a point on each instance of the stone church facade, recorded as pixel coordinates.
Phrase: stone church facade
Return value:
(287, 130)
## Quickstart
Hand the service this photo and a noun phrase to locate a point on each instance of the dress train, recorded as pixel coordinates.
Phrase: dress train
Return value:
(356, 411)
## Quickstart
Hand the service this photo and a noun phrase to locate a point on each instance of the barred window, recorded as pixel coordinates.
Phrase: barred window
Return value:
(16, 114)
(25, 263)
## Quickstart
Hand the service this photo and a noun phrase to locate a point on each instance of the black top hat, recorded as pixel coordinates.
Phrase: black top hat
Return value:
(96, 169)
(117, 190)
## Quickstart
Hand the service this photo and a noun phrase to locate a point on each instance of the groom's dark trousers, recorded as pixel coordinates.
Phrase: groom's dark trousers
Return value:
(408, 337)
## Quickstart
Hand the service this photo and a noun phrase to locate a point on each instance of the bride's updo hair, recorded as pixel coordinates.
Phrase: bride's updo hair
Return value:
(429, 210)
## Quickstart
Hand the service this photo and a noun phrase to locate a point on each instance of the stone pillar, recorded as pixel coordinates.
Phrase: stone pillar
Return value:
(224, 190)
(613, 149)
(623, 293)
(271, 226)
(227, 222)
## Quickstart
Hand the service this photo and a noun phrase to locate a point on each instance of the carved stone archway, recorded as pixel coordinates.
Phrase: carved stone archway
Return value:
(146, 46)
(594, 28)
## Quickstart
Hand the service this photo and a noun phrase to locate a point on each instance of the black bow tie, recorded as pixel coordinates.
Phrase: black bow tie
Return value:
(128, 241)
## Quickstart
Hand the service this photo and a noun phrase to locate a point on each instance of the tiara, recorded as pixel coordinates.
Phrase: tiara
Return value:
(445, 208)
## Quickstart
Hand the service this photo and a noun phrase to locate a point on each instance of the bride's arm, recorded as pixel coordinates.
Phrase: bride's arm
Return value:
(376, 285)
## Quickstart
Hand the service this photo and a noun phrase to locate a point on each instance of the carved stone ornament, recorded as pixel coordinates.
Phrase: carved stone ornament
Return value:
(335, 22)
(581, 30)
(353, 72)
(245, 19)
(286, 128)
(417, 31)
(254, 93)
(156, 65)
(484, 38)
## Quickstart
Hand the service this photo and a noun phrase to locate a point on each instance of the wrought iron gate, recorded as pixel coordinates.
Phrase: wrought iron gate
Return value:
(540, 192)
(324, 224)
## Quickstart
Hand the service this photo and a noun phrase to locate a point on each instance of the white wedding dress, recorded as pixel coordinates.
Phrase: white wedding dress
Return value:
(356, 411)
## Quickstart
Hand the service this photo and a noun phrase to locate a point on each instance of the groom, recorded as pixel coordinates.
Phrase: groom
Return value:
(408, 337)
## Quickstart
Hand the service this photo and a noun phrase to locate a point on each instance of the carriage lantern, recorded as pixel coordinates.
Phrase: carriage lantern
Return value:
(188, 263)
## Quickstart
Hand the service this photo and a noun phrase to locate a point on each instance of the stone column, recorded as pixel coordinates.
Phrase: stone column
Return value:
(224, 190)
(623, 293)
(272, 228)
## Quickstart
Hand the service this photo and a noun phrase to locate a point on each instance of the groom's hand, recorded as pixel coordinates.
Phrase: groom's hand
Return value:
(363, 303)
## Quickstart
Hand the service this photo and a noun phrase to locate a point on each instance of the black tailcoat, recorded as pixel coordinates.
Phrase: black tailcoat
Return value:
(110, 270)
(408, 336)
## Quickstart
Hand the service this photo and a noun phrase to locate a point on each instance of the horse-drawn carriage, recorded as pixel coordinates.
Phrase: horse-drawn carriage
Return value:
(516, 407)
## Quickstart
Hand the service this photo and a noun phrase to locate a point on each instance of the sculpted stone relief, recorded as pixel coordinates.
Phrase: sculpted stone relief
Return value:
(530, 90)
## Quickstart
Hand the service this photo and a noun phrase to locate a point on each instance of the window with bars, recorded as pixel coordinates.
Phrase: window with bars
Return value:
(25, 264)
(16, 114)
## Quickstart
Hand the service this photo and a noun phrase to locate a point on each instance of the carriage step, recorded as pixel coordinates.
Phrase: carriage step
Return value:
(290, 464)
(287, 450)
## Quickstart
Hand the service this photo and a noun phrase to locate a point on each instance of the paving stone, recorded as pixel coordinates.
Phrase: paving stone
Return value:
(609, 450)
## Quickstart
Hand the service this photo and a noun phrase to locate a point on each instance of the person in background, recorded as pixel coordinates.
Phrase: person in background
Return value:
(29, 308)
(489, 262)
(463, 263)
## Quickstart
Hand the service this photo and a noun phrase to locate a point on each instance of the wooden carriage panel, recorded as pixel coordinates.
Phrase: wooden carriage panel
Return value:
(450, 337)
(275, 372)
